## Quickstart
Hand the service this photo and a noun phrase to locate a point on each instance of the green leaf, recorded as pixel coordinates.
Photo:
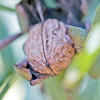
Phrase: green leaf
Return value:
(10, 79)
(78, 35)
(8, 59)
(84, 61)
(2, 7)
(96, 18)
(54, 87)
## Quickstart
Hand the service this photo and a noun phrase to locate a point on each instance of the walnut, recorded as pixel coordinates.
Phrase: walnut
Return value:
(50, 36)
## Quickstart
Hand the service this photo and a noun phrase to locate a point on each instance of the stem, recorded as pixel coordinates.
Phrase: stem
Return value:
(8, 40)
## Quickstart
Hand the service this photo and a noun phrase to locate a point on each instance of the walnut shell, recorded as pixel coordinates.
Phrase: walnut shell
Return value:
(57, 46)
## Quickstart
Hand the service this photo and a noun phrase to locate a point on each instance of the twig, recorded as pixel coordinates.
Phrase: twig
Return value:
(7, 41)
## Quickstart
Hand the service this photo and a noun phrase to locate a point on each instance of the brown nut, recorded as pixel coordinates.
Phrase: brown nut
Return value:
(52, 39)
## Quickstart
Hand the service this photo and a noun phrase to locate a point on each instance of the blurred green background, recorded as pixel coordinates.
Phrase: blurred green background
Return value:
(79, 82)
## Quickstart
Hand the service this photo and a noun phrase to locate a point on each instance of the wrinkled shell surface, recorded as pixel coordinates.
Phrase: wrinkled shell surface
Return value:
(57, 45)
